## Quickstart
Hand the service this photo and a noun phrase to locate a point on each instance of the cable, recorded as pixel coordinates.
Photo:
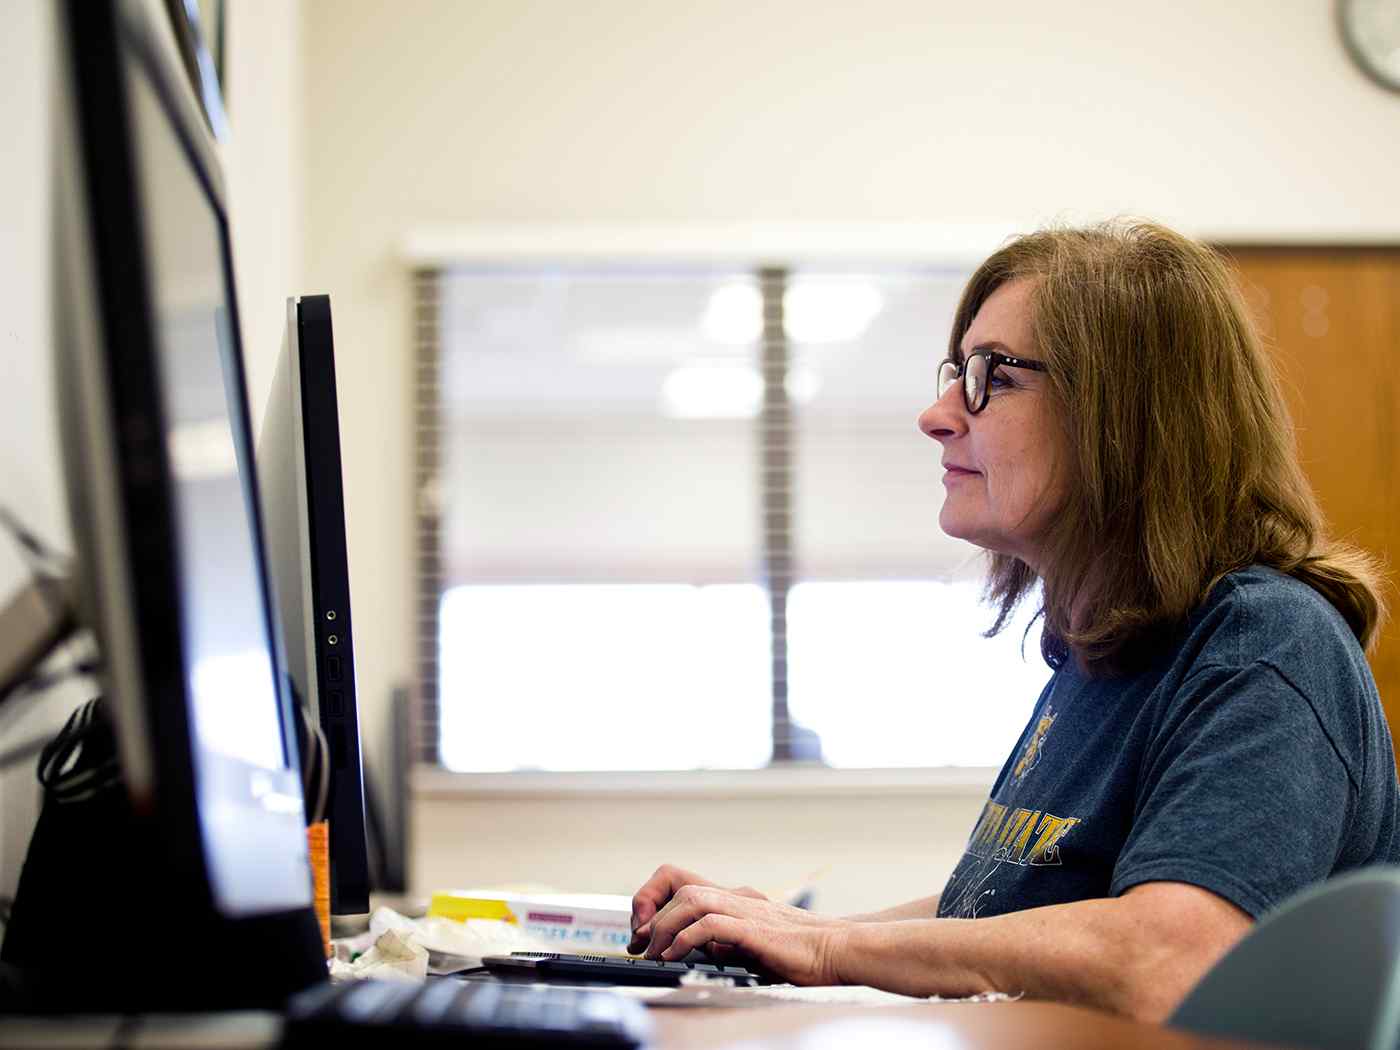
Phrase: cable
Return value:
(310, 765)
(314, 753)
(316, 772)
(324, 794)
(42, 559)
(81, 761)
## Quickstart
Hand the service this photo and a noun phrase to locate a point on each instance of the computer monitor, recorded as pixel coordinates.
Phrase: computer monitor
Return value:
(386, 800)
(167, 527)
(303, 500)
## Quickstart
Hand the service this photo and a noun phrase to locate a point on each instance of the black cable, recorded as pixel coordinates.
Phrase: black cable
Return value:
(37, 683)
(316, 771)
(42, 559)
(323, 760)
(315, 754)
(81, 761)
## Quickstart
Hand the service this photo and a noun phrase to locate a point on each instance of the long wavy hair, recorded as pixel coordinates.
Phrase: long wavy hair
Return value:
(1179, 462)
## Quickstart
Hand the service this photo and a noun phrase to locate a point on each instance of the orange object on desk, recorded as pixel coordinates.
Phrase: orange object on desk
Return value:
(318, 843)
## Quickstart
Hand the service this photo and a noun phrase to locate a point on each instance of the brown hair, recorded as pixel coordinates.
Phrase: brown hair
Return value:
(1180, 463)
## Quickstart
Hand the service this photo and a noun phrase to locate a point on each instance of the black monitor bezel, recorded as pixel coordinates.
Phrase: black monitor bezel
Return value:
(330, 593)
(101, 35)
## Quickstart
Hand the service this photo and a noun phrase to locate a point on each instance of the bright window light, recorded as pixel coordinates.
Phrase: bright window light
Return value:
(712, 390)
(802, 384)
(830, 309)
(894, 674)
(734, 314)
(604, 676)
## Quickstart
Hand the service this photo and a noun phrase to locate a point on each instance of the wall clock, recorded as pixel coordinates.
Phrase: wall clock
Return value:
(1371, 31)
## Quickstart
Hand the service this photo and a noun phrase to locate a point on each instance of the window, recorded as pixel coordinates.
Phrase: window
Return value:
(896, 673)
(683, 519)
(605, 676)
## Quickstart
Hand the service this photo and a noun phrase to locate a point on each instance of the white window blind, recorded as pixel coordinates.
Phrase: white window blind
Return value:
(573, 451)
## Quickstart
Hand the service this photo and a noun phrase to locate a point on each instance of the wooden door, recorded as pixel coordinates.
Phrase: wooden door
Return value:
(1333, 317)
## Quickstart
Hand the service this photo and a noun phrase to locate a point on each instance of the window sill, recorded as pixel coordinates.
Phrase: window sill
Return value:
(796, 780)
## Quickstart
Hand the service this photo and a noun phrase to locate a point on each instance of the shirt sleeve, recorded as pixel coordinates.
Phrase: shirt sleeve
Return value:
(1243, 792)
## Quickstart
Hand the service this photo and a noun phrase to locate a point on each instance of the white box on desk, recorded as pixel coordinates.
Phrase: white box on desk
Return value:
(577, 922)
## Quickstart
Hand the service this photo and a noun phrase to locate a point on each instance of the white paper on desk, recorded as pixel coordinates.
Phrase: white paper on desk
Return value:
(393, 957)
(451, 946)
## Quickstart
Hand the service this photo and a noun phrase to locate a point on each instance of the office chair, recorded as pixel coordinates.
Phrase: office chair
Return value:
(1321, 971)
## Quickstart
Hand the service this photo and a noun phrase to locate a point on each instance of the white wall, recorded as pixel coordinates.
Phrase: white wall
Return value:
(1239, 120)
(264, 164)
(265, 199)
(30, 484)
(868, 849)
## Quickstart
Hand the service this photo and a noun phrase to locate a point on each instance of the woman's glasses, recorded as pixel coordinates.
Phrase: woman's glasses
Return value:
(976, 374)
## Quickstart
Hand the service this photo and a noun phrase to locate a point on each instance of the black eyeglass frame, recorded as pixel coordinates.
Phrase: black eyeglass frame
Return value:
(994, 359)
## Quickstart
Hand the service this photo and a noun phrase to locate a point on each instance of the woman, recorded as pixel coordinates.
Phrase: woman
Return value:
(1211, 740)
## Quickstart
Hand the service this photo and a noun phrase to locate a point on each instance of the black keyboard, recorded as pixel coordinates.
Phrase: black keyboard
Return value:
(609, 969)
(445, 1011)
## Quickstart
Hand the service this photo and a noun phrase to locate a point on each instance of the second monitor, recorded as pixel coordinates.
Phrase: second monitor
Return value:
(304, 506)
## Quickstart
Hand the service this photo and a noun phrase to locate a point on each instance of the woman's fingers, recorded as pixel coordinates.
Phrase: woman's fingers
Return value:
(793, 944)
(653, 896)
(712, 929)
(659, 890)
(689, 904)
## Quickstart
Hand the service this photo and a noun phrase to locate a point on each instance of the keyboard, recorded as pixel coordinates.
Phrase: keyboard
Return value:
(445, 1011)
(610, 969)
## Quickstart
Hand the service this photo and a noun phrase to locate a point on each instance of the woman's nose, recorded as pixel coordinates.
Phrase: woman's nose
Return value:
(946, 417)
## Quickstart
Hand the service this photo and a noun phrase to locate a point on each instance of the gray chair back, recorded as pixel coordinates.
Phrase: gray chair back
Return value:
(1320, 971)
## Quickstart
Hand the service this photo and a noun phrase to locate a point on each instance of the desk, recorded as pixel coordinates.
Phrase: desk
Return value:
(942, 1026)
(776, 1026)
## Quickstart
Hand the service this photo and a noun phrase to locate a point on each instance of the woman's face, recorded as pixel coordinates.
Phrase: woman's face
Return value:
(999, 464)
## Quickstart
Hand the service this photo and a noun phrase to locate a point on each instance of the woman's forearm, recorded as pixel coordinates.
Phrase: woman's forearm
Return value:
(924, 908)
(1137, 957)
(1044, 956)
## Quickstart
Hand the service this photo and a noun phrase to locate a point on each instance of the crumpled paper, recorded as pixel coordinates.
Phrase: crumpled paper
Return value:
(393, 956)
(449, 946)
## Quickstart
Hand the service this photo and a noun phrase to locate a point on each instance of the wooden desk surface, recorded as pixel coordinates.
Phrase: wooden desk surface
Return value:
(775, 1026)
(941, 1026)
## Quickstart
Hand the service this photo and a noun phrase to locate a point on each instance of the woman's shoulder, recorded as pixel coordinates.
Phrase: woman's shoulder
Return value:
(1258, 613)
(1267, 592)
(1264, 639)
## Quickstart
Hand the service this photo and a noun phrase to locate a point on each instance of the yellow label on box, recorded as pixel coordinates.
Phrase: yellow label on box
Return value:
(450, 906)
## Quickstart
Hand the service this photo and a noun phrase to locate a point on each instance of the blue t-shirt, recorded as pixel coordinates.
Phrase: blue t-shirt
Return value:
(1251, 759)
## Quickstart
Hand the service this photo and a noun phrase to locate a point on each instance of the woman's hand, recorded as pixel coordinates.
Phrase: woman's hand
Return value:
(664, 883)
(790, 943)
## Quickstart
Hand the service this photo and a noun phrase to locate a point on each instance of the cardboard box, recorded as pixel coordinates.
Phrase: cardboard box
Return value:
(575, 922)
